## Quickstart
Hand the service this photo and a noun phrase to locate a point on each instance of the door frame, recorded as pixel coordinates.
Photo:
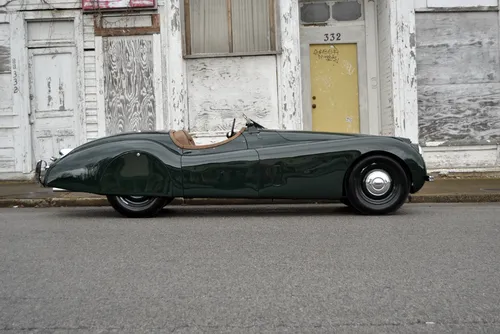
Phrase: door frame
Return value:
(31, 113)
(77, 44)
(364, 35)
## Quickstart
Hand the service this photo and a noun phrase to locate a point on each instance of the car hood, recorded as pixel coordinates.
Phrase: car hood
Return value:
(316, 135)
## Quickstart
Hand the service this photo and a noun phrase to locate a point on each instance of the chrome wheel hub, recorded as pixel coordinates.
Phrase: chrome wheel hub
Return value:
(377, 182)
(135, 201)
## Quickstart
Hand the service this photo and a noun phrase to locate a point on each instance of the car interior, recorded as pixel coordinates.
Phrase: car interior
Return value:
(184, 140)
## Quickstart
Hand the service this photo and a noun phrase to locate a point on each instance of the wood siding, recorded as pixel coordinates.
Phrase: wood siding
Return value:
(129, 84)
(458, 77)
(90, 79)
(8, 120)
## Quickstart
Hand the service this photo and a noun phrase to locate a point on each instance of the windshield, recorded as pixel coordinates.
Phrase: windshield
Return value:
(251, 123)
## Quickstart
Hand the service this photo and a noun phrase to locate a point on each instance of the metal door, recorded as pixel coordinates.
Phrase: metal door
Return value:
(53, 97)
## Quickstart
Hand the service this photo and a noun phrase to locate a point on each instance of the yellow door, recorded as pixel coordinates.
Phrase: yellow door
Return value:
(334, 88)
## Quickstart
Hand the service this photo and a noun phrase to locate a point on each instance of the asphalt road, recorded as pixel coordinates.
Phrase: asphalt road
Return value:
(249, 269)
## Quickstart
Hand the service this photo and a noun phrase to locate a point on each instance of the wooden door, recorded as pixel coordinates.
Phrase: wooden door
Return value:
(334, 87)
(53, 114)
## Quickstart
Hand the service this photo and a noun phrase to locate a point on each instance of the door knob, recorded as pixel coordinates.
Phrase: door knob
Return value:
(314, 106)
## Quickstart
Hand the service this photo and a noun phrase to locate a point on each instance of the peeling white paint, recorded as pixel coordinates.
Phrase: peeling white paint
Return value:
(221, 89)
(175, 67)
(462, 158)
(397, 45)
(289, 67)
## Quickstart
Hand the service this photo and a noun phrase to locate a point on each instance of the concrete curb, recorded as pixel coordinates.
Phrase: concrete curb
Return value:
(98, 201)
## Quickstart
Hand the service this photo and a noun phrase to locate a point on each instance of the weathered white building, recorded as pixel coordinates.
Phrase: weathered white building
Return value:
(73, 71)
(458, 70)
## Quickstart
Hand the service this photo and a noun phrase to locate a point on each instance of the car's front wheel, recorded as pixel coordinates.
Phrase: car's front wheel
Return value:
(377, 185)
(138, 206)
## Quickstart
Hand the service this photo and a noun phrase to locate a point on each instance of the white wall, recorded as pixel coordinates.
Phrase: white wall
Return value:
(220, 89)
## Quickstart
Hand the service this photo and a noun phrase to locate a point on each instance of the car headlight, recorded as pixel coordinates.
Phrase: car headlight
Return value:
(420, 150)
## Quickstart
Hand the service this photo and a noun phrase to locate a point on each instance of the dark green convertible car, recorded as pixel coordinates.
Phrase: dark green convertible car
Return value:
(141, 172)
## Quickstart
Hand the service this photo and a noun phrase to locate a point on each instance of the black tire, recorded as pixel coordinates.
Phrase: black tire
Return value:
(138, 206)
(345, 201)
(168, 200)
(379, 198)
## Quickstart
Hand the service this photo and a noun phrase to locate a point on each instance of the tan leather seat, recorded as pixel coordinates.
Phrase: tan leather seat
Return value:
(183, 138)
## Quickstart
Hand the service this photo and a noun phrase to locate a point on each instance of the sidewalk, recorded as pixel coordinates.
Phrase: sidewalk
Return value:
(442, 190)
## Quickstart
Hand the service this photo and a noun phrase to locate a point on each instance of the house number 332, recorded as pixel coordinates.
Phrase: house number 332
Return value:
(332, 37)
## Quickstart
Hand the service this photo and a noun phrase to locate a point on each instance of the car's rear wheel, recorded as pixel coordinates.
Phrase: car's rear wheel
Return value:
(138, 206)
(377, 185)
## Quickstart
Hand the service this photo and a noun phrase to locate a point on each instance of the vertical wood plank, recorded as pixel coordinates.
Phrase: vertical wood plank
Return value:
(81, 127)
(157, 79)
(176, 85)
(187, 26)
(229, 26)
(272, 24)
(99, 70)
(21, 96)
(372, 75)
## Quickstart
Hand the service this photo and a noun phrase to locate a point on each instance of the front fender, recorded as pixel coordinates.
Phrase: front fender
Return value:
(133, 167)
(405, 152)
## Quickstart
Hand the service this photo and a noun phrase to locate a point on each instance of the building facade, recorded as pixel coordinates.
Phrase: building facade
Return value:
(74, 71)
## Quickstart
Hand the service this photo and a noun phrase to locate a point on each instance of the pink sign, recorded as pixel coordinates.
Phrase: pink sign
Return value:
(117, 4)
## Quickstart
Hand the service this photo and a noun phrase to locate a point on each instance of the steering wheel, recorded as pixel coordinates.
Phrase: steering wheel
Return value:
(230, 134)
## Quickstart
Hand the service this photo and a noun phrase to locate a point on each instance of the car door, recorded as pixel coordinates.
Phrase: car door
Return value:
(229, 170)
(300, 169)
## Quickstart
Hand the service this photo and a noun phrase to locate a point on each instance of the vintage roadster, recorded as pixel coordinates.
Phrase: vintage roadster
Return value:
(141, 172)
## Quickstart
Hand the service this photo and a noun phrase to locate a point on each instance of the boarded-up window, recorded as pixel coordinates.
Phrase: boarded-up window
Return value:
(230, 26)
(458, 77)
